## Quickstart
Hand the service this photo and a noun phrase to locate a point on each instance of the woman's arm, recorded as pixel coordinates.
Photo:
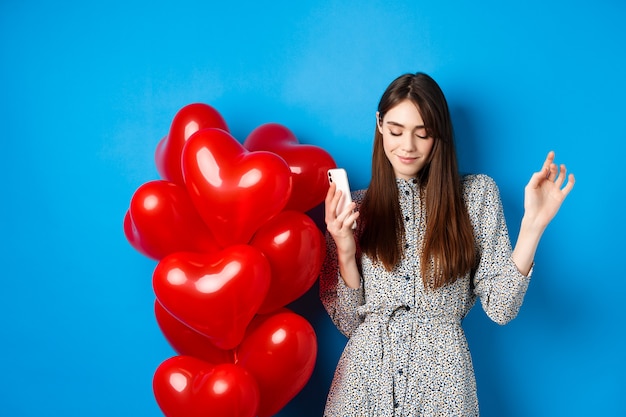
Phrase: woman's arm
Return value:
(341, 291)
(340, 228)
(543, 196)
(497, 282)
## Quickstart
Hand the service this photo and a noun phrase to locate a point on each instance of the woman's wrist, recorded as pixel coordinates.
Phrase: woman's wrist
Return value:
(532, 227)
(526, 245)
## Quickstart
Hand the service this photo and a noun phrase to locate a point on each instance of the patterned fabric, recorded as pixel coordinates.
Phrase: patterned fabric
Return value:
(407, 354)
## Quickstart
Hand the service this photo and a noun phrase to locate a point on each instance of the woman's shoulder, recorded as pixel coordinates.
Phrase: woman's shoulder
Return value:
(477, 186)
(477, 181)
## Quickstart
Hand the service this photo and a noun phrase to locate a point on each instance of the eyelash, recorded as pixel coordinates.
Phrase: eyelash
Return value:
(400, 134)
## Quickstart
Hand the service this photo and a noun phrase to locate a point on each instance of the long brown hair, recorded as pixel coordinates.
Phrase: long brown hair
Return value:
(449, 241)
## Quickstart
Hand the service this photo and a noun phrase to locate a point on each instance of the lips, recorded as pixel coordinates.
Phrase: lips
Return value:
(406, 160)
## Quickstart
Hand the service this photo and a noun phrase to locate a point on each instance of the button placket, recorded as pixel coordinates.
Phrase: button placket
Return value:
(398, 328)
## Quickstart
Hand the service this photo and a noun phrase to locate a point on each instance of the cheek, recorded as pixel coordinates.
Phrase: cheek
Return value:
(389, 142)
(426, 146)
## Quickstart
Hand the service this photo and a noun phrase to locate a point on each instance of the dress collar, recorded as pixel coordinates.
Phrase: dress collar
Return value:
(412, 183)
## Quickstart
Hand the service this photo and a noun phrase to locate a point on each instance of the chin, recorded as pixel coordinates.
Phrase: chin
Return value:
(406, 174)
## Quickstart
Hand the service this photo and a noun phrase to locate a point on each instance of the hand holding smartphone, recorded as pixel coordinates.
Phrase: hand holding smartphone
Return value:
(340, 178)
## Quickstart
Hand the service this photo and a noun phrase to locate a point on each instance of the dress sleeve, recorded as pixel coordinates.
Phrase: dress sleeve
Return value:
(497, 281)
(341, 302)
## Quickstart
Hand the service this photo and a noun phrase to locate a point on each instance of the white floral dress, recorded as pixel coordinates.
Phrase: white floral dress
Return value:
(407, 354)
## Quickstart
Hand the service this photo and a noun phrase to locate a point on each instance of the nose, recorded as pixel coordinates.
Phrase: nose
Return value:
(408, 143)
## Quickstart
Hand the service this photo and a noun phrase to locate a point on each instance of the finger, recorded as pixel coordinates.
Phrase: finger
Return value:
(351, 219)
(552, 172)
(348, 217)
(570, 184)
(330, 193)
(331, 201)
(560, 179)
(549, 160)
(337, 220)
(538, 177)
(346, 212)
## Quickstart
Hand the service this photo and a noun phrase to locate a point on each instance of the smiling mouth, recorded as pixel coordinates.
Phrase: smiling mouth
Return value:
(406, 159)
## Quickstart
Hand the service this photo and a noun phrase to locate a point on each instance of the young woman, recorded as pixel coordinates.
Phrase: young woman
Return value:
(428, 244)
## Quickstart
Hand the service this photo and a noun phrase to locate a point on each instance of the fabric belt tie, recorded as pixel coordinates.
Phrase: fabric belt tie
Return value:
(397, 326)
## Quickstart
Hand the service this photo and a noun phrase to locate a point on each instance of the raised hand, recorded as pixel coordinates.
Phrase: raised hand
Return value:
(543, 196)
(340, 228)
(546, 191)
(339, 225)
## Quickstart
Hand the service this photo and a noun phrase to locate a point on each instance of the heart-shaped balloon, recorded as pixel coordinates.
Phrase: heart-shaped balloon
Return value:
(279, 350)
(162, 220)
(308, 163)
(186, 122)
(184, 386)
(187, 341)
(235, 191)
(295, 248)
(215, 294)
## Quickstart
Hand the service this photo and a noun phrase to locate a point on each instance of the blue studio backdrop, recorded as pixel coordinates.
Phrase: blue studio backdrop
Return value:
(87, 89)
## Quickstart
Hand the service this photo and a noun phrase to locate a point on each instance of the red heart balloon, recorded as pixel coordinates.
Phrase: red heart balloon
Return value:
(187, 341)
(279, 351)
(295, 248)
(235, 191)
(186, 122)
(308, 163)
(215, 294)
(162, 220)
(188, 387)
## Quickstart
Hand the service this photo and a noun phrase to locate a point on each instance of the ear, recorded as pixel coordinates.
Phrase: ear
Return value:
(379, 123)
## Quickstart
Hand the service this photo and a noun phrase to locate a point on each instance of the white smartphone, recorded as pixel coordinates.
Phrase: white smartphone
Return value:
(340, 178)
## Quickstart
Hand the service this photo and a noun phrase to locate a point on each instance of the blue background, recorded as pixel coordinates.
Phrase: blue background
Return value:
(88, 89)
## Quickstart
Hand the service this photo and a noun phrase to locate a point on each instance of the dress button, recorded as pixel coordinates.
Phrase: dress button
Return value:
(407, 192)
(407, 277)
(407, 218)
(396, 405)
(406, 245)
(400, 371)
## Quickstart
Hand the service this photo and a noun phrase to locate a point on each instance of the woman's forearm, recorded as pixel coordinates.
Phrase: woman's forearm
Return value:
(349, 271)
(526, 245)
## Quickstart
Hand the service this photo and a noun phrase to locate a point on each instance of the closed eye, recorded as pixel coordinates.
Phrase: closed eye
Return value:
(419, 131)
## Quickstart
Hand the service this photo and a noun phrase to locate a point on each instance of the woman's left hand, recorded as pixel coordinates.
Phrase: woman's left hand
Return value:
(546, 191)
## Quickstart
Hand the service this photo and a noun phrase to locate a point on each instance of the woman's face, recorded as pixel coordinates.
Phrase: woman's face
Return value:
(405, 139)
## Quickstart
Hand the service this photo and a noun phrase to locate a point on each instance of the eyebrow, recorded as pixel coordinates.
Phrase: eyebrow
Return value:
(401, 125)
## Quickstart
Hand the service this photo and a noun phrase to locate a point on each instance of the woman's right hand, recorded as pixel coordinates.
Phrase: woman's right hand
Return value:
(340, 225)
